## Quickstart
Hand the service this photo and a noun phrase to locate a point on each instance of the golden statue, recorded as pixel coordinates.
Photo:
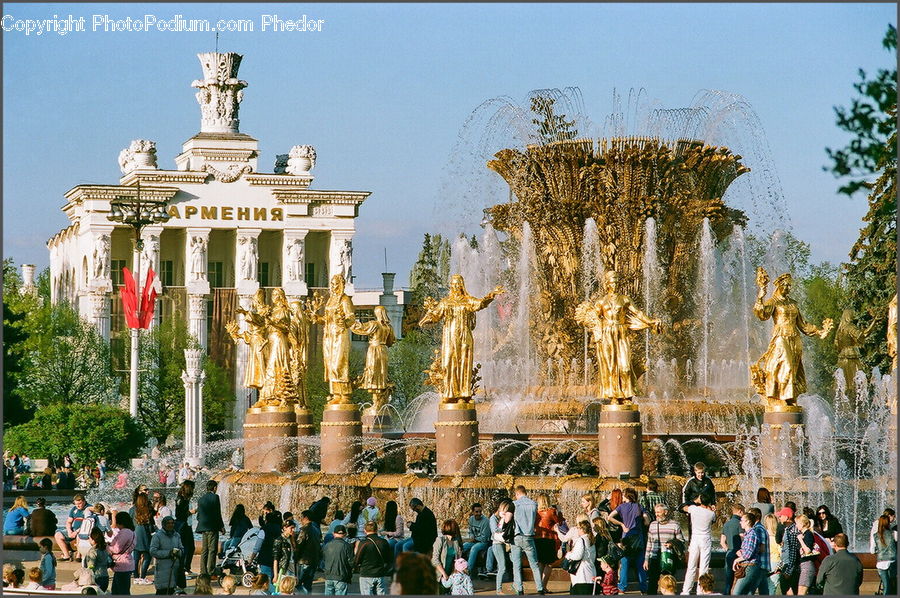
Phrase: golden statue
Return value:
(892, 332)
(848, 339)
(279, 384)
(337, 318)
(255, 337)
(299, 343)
(779, 375)
(375, 376)
(609, 320)
(457, 312)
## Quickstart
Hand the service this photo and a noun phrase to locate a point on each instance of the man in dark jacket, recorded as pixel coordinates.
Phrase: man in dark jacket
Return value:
(375, 559)
(423, 529)
(841, 573)
(319, 510)
(338, 555)
(209, 524)
(697, 485)
(309, 552)
(43, 521)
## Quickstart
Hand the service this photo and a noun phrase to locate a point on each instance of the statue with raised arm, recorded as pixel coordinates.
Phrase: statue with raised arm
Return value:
(255, 337)
(610, 319)
(455, 371)
(892, 332)
(847, 340)
(778, 375)
(375, 376)
(338, 317)
(278, 388)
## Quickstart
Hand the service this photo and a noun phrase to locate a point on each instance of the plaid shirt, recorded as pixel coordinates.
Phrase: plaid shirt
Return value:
(649, 501)
(755, 547)
(790, 550)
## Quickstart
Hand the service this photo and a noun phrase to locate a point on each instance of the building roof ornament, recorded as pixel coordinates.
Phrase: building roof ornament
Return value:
(219, 92)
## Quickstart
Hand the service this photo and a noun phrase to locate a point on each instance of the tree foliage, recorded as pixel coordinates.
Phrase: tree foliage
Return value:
(89, 432)
(824, 296)
(161, 389)
(407, 361)
(869, 121)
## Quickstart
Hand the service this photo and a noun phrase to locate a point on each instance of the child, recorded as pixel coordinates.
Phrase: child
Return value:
(667, 585)
(34, 579)
(48, 564)
(202, 586)
(286, 585)
(228, 582)
(609, 582)
(459, 582)
(98, 559)
(706, 584)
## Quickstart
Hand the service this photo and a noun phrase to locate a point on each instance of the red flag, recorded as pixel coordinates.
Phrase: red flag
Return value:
(148, 300)
(129, 299)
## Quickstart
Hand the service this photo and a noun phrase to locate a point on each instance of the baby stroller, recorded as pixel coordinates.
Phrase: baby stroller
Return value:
(238, 560)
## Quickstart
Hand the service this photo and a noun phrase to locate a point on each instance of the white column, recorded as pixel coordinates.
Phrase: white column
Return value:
(193, 377)
(340, 257)
(28, 287)
(196, 282)
(95, 306)
(99, 311)
(246, 267)
(293, 262)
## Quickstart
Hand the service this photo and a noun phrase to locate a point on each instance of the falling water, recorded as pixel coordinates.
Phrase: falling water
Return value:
(707, 263)
(738, 236)
(591, 273)
(523, 319)
(651, 285)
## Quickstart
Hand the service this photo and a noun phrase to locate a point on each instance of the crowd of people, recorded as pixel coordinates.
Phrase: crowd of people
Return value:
(60, 474)
(613, 540)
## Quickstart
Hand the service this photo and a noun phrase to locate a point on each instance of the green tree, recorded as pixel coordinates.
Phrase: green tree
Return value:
(161, 389)
(407, 361)
(89, 432)
(872, 271)
(870, 122)
(824, 296)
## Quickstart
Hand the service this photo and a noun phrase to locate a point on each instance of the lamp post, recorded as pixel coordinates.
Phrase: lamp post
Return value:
(136, 212)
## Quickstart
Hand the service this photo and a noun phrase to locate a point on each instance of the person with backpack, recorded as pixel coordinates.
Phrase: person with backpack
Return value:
(665, 547)
(98, 559)
(632, 519)
(375, 560)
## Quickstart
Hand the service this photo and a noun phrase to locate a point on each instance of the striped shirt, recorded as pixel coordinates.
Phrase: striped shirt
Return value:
(649, 501)
(658, 534)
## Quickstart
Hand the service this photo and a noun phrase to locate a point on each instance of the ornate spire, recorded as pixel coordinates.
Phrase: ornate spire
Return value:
(219, 92)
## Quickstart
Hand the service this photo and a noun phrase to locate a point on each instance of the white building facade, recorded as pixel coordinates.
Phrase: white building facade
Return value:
(232, 229)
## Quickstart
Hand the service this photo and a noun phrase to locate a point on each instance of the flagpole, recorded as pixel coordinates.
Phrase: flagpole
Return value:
(135, 332)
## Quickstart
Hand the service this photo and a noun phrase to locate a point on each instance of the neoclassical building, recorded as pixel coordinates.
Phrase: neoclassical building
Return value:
(232, 229)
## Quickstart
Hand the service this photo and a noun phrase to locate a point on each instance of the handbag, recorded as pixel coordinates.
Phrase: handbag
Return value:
(741, 569)
(571, 566)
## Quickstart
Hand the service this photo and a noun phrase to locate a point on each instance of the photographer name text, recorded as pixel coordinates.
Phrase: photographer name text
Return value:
(147, 23)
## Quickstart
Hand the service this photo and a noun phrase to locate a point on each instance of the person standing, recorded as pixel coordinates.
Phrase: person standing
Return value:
(284, 550)
(374, 558)
(183, 512)
(764, 502)
(338, 555)
(807, 557)
(525, 519)
(884, 541)
(632, 519)
(98, 559)
(753, 555)
(546, 540)
(503, 531)
(730, 541)
(209, 524)
(659, 556)
(584, 553)
(394, 526)
(423, 530)
(790, 553)
(167, 549)
(698, 486)
(651, 498)
(309, 551)
(700, 548)
(142, 513)
(479, 537)
(827, 524)
(841, 573)
(121, 546)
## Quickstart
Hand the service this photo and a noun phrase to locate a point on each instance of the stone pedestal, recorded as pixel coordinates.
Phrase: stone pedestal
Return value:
(779, 443)
(341, 437)
(305, 428)
(619, 433)
(456, 433)
(269, 443)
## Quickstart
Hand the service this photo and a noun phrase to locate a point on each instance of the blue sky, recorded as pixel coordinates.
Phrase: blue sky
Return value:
(383, 91)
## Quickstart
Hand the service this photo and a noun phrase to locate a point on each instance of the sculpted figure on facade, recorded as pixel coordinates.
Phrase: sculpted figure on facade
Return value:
(150, 254)
(610, 320)
(375, 376)
(778, 375)
(338, 317)
(198, 257)
(295, 260)
(345, 260)
(281, 162)
(101, 257)
(456, 311)
(249, 257)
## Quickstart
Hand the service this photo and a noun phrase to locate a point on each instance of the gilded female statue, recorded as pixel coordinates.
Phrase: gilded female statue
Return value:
(610, 319)
(779, 375)
(278, 388)
(848, 339)
(457, 312)
(381, 336)
(255, 337)
(892, 332)
(299, 343)
(338, 318)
